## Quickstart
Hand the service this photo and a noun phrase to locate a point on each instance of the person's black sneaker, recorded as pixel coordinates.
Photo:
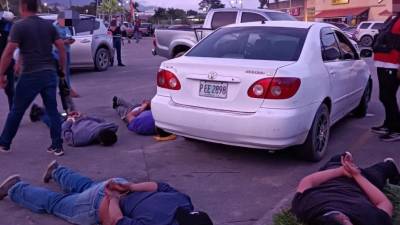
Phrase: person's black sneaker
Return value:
(115, 102)
(380, 130)
(396, 179)
(36, 113)
(59, 152)
(48, 175)
(7, 184)
(120, 64)
(51, 149)
(391, 137)
(4, 149)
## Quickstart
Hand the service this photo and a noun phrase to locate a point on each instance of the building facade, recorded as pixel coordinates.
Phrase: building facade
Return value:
(353, 12)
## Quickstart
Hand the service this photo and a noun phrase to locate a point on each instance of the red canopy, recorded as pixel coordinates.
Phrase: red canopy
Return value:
(342, 12)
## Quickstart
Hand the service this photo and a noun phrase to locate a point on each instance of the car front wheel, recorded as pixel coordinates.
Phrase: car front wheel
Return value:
(102, 59)
(367, 41)
(317, 140)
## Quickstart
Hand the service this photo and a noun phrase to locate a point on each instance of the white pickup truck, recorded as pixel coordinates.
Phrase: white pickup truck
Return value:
(172, 43)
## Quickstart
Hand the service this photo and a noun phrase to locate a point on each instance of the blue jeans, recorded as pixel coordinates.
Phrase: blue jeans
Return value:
(28, 87)
(68, 69)
(10, 88)
(79, 204)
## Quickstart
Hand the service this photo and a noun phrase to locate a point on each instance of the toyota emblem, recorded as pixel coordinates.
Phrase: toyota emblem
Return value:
(212, 75)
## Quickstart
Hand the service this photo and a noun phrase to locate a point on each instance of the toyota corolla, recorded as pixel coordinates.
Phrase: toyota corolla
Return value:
(264, 85)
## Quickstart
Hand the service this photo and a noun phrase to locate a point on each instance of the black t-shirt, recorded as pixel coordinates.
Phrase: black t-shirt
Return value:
(116, 32)
(341, 194)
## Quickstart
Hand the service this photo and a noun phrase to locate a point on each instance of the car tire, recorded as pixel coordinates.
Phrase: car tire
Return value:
(362, 109)
(317, 140)
(179, 54)
(102, 59)
(367, 41)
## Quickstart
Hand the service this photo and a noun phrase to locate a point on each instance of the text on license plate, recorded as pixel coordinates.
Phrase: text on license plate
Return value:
(213, 89)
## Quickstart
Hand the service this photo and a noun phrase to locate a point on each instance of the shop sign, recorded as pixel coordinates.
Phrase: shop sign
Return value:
(339, 2)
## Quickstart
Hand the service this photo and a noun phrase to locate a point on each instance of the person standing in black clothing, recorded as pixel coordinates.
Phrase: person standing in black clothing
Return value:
(342, 194)
(35, 38)
(117, 42)
(5, 28)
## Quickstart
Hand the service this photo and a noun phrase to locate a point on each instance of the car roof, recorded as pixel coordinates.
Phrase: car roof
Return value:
(372, 22)
(244, 10)
(54, 16)
(294, 24)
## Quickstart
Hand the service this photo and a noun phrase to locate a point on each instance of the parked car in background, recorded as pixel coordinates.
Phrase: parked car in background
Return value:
(128, 28)
(367, 31)
(146, 29)
(172, 43)
(350, 32)
(341, 26)
(264, 85)
(93, 45)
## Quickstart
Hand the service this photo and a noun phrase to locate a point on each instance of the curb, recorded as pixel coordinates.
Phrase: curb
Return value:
(267, 218)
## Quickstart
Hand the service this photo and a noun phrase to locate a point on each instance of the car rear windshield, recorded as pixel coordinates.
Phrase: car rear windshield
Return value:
(278, 16)
(256, 43)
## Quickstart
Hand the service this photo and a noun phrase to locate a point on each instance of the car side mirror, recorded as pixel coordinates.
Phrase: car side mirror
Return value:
(330, 54)
(366, 53)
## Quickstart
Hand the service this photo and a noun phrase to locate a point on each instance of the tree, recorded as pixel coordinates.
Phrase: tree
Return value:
(110, 8)
(206, 5)
(264, 3)
(192, 13)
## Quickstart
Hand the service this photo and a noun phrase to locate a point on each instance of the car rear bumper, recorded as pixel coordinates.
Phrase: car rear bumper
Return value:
(271, 129)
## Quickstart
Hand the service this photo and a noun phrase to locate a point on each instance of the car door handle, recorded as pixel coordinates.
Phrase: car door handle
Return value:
(84, 41)
(333, 74)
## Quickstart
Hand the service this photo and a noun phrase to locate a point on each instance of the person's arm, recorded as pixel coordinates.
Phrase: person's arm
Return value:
(318, 178)
(114, 211)
(59, 43)
(143, 187)
(376, 196)
(6, 60)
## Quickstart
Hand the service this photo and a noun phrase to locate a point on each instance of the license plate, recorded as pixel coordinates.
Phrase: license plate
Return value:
(213, 89)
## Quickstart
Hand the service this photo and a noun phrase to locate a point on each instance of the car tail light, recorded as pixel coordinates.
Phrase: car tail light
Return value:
(168, 80)
(274, 88)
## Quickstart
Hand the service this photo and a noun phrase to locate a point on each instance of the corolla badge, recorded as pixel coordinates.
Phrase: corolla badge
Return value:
(212, 75)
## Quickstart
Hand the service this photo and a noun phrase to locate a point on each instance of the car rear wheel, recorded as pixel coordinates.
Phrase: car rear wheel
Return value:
(366, 41)
(317, 140)
(102, 59)
(362, 109)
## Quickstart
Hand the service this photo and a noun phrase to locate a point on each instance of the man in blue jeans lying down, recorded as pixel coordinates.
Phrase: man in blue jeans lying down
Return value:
(112, 202)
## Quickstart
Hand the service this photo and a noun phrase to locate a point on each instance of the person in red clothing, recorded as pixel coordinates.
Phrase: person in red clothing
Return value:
(387, 61)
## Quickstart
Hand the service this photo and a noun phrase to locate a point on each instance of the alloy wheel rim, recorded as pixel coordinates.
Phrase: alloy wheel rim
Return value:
(103, 60)
(322, 134)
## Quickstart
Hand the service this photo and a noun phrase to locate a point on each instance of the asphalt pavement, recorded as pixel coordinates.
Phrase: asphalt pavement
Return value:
(234, 185)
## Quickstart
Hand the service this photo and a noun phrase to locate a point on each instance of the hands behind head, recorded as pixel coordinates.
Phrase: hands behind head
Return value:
(350, 169)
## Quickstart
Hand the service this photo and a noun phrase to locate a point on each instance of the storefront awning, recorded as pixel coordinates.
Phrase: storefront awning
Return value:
(334, 13)
(385, 13)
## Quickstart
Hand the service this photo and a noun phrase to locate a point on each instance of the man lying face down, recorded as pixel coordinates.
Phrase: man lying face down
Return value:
(140, 118)
(343, 194)
(80, 130)
(112, 202)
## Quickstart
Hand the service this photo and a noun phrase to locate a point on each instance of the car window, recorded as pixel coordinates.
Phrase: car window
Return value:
(347, 50)
(365, 25)
(278, 16)
(86, 26)
(252, 17)
(256, 43)
(330, 48)
(221, 19)
(377, 26)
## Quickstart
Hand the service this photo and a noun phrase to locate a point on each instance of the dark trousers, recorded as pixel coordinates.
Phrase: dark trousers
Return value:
(117, 46)
(377, 174)
(28, 87)
(388, 87)
(10, 88)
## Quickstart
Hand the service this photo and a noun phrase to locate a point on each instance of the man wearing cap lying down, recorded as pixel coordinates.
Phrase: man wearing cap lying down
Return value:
(112, 202)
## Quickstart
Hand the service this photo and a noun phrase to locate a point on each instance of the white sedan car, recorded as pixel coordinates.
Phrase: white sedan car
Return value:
(264, 85)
